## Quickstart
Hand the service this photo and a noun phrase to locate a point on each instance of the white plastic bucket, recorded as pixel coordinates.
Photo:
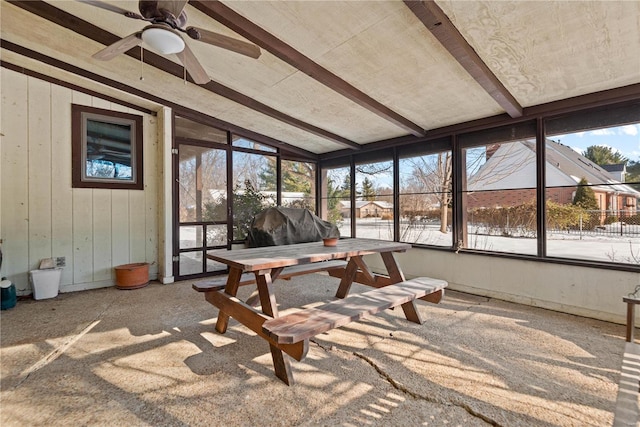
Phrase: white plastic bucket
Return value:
(45, 283)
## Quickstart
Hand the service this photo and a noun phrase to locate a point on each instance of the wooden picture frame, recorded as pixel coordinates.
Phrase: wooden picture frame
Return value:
(106, 149)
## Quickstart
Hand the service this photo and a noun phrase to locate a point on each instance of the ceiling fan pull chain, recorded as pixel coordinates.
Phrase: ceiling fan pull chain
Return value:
(141, 63)
(184, 74)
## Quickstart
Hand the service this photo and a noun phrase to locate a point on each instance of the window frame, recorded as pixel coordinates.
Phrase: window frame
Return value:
(80, 115)
(592, 111)
(438, 147)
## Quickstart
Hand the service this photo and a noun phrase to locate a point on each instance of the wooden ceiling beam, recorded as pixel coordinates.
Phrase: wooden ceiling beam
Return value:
(438, 23)
(86, 29)
(241, 25)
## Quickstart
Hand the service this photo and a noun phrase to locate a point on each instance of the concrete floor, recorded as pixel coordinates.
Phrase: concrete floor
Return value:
(151, 357)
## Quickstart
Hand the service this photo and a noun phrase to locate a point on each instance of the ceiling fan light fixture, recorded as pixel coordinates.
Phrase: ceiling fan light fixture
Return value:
(163, 41)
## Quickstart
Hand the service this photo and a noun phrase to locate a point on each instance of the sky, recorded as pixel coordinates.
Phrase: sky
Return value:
(624, 139)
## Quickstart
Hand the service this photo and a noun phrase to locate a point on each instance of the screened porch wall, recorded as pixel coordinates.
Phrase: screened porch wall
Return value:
(42, 216)
(585, 291)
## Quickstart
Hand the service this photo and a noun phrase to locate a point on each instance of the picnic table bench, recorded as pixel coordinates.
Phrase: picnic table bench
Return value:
(307, 323)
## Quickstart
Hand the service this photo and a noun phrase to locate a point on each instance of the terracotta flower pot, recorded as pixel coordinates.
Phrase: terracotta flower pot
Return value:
(330, 241)
(132, 276)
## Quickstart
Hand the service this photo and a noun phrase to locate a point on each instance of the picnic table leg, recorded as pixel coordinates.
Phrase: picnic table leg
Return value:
(349, 274)
(253, 299)
(364, 270)
(281, 363)
(265, 291)
(630, 321)
(233, 281)
(396, 276)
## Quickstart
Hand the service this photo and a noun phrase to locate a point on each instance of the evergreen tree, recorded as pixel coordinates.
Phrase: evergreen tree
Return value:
(246, 204)
(267, 175)
(601, 155)
(298, 177)
(333, 197)
(368, 192)
(585, 197)
(346, 185)
(633, 174)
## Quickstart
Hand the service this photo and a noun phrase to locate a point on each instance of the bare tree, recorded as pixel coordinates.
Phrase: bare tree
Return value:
(433, 176)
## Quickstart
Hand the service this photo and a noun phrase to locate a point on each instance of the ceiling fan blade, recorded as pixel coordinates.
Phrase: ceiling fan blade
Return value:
(193, 66)
(105, 6)
(225, 42)
(119, 47)
(174, 6)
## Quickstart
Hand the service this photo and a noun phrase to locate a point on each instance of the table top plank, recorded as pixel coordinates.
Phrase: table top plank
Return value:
(254, 259)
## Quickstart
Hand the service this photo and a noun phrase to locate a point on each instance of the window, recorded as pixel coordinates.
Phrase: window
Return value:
(202, 184)
(238, 141)
(254, 188)
(336, 198)
(593, 186)
(106, 149)
(499, 198)
(298, 184)
(425, 197)
(374, 200)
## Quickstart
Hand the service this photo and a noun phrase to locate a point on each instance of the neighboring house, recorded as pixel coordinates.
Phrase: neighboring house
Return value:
(510, 168)
(618, 171)
(366, 209)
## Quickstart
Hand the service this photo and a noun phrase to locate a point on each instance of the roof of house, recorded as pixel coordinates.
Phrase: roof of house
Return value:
(512, 166)
(618, 167)
(360, 204)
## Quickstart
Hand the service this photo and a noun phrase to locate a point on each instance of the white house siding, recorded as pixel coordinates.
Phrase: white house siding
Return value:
(42, 216)
(590, 292)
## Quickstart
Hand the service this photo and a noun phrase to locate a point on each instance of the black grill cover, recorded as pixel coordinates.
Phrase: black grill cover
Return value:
(286, 226)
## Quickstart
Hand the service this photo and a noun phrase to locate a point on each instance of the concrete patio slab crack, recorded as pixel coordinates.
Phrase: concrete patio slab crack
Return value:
(395, 384)
(415, 395)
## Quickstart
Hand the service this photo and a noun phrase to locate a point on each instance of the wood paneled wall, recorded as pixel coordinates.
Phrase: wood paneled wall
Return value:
(42, 216)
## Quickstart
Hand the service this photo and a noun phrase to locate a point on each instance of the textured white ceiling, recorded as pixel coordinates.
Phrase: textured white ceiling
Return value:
(541, 51)
(544, 51)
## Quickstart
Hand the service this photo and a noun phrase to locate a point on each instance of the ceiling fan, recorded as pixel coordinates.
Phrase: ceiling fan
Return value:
(167, 19)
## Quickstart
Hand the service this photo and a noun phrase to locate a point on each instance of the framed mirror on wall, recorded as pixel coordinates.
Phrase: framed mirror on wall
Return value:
(106, 149)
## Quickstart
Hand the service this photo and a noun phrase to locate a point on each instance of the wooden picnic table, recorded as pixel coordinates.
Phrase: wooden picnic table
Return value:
(268, 262)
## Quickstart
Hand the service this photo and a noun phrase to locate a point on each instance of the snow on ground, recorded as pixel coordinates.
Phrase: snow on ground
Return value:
(610, 248)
